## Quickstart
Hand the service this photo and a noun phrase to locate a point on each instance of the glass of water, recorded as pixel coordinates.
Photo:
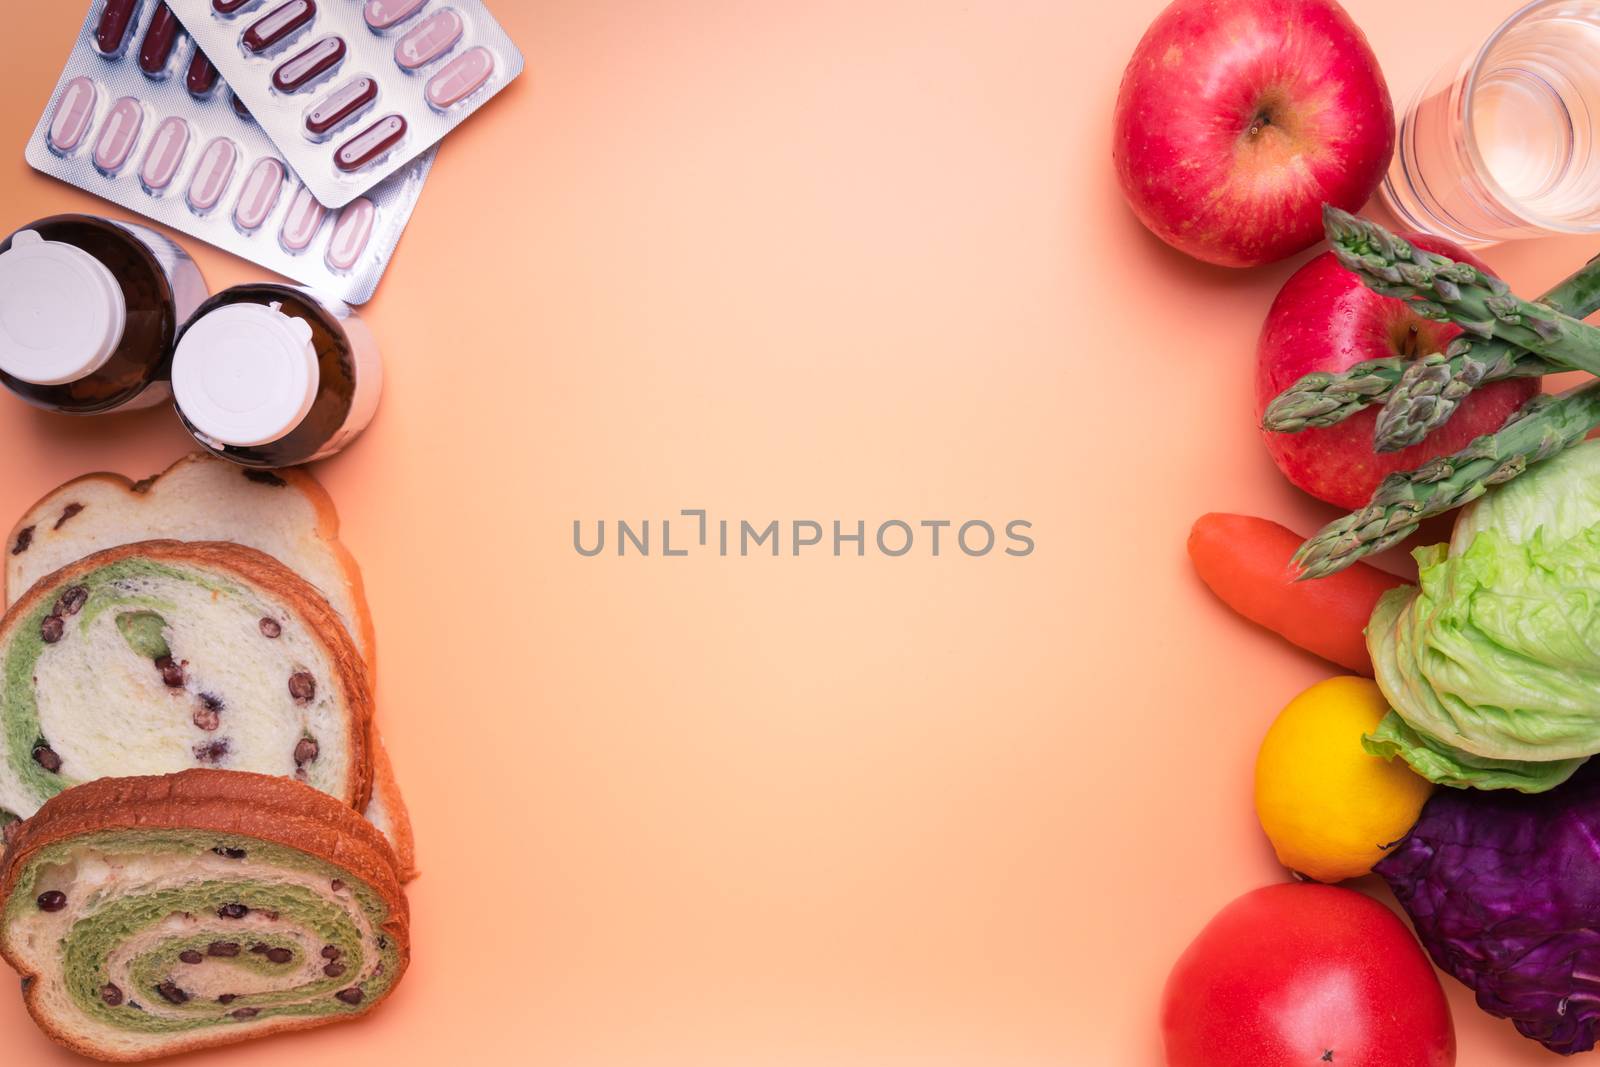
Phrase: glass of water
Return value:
(1503, 144)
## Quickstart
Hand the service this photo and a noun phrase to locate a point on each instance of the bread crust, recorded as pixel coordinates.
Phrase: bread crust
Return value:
(48, 506)
(260, 570)
(280, 811)
(385, 785)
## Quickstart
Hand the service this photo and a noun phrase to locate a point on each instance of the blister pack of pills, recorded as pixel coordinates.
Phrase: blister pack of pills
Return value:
(352, 89)
(142, 118)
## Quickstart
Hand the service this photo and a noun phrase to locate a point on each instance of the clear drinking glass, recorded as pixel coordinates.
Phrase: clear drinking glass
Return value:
(1502, 144)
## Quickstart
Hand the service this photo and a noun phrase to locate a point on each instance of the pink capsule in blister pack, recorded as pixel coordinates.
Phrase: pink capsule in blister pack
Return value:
(142, 118)
(352, 89)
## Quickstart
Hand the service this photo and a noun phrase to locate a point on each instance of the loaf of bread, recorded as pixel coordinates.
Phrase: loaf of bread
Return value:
(285, 514)
(156, 915)
(165, 655)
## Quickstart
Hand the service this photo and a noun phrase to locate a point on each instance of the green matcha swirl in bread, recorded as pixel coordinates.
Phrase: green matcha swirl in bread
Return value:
(156, 915)
(161, 656)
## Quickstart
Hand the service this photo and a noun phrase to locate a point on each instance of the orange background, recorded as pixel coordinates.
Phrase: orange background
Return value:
(794, 260)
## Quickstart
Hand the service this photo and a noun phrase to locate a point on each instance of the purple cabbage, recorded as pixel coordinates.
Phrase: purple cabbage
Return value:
(1504, 891)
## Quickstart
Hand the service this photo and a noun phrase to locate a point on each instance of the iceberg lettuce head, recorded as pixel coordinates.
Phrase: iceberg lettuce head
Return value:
(1492, 662)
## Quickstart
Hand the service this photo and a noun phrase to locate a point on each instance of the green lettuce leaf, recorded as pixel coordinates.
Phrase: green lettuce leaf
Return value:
(1560, 496)
(1493, 660)
(1438, 762)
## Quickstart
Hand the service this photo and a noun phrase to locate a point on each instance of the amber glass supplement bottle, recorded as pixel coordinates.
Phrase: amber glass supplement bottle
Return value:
(89, 310)
(274, 375)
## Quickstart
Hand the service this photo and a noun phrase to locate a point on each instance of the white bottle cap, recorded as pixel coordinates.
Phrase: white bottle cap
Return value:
(61, 311)
(245, 374)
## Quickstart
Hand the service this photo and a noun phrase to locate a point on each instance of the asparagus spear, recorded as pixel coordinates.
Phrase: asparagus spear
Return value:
(1430, 389)
(1439, 288)
(1545, 426)
(1427, 395)
(1421, 395)
(1326, 399)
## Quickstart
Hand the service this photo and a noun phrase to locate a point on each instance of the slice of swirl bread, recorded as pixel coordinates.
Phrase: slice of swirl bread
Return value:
(164, 655)
(150, 916)
(286, 514)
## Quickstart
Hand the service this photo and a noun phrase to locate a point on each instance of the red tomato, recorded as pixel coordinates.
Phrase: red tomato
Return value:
(1299, 975)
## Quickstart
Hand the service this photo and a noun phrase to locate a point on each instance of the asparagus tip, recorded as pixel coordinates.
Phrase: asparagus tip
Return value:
(1336, 218)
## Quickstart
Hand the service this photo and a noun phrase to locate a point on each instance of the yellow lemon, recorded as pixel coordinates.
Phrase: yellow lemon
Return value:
(1331, 810)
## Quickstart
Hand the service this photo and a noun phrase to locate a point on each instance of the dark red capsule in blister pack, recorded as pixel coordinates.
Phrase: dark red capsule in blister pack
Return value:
(370, 143)
(202, 76)
(278, 24)
(339, 106)
(111, 32)
(227, 7)
(310, 63)
(158, 41)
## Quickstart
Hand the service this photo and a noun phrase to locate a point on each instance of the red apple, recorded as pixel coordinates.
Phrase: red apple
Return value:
(1324, 319)
(1237, 119)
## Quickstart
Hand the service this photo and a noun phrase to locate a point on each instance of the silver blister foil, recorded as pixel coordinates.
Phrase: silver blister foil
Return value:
(351, 90)
(124, 124)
